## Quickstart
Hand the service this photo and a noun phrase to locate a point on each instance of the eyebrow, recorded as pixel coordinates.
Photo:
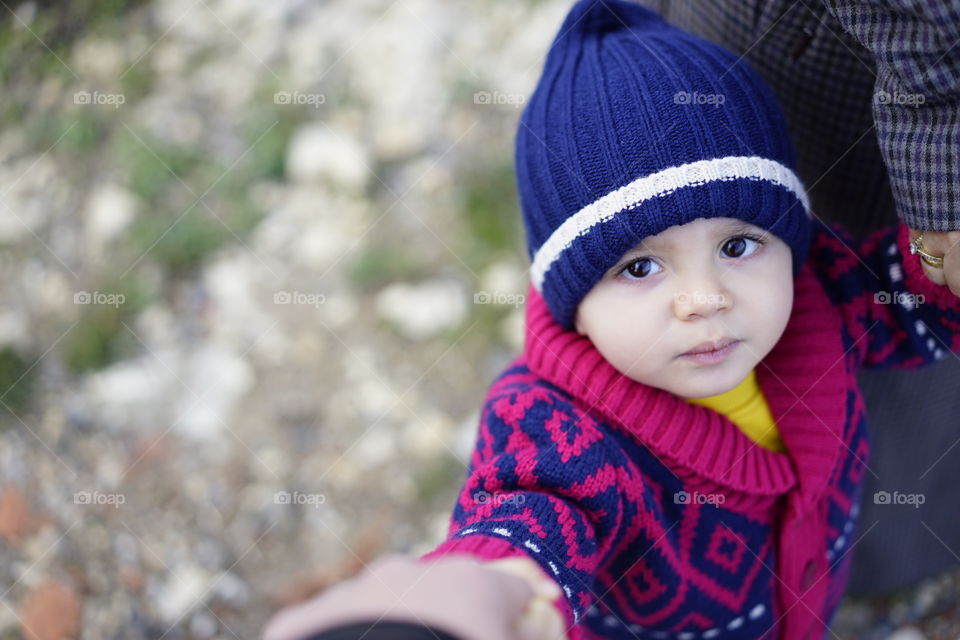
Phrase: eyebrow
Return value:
(728, 227)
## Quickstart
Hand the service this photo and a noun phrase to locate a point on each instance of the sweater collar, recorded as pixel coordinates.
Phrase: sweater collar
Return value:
(803, 379)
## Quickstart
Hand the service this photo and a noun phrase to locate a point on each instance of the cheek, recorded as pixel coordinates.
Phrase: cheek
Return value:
(768, 292)
(624, 332)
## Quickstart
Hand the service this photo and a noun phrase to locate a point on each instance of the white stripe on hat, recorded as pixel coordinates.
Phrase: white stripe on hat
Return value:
(657, 185)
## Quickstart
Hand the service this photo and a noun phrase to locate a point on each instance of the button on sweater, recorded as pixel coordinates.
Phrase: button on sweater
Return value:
(660, 518)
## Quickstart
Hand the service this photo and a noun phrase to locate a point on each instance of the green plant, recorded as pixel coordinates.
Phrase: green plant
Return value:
(100, 337)
(375, 266)
(17, 379)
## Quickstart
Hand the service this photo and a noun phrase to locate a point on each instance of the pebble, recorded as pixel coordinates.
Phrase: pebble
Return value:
(203, 625)
(185, 588)
(216, 378)
(907, 633)
(422, 311)
(321, 153)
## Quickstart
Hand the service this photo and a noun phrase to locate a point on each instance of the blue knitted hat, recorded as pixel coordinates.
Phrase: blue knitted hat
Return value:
(636, 126)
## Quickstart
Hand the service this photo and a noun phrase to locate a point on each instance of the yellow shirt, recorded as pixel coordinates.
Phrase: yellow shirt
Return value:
(746, 407)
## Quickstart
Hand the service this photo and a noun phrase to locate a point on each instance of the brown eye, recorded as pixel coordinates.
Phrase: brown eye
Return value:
(738, 246)
(639, 269)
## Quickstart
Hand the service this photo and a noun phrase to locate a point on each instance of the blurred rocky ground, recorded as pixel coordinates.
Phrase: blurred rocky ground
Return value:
(260, 261)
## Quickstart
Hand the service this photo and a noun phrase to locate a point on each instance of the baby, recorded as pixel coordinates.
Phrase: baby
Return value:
(681, 445)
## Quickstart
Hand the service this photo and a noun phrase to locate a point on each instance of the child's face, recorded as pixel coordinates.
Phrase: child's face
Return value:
(703, 281)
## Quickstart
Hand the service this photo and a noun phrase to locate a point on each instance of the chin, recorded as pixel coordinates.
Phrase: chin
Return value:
(713, 387)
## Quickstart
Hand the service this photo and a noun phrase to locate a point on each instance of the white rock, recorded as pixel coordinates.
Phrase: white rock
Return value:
(108, 212)
(375, 447)
(203, 625)
(504, 277)
(311, 227)
(30, 185)
(407, 88)
(157, 325)
(184, 589)
(110, 471)
(13, 328)
(132, 394)
(205, 382)
(907, 633)
(25, 13)
(343, 474)
(9, 622)
(512, 329)
(169, 114)
(402, 488)
(51, 290)
(169, 57)
(527, 40)
(372, 396)
(311, 54)
(224, 83)
(427, 434)
(269, 463)
(340, 310)
(185, 22)
(126, 547)
(926, 596)
(465, 436)
(424, 310)
(241, 313)
(98, 59)
(217, 379)
(318, 153)
(232, 589)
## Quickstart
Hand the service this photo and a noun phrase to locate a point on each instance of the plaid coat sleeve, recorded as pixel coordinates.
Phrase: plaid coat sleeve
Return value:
(894, 316)
(916, 101)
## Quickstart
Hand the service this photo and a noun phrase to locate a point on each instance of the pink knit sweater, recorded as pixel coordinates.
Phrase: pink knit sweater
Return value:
(585, 464)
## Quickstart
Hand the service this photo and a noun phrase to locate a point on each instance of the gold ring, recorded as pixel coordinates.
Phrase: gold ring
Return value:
(916, 246)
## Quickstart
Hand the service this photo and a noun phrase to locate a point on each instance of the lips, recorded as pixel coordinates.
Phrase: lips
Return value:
(706, 347)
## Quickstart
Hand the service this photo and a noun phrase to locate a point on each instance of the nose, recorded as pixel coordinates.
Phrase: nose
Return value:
(702, 296)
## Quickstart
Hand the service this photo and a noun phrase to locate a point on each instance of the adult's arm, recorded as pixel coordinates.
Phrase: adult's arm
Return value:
(916, 101)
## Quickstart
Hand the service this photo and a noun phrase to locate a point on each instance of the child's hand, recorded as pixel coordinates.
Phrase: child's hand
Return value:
(946, 244)
(541, 621)
(473, 600)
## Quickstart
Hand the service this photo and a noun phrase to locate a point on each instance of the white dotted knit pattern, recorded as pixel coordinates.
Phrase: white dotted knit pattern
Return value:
(841, 540)
(908, 304)
(529, 544)
(755, 613)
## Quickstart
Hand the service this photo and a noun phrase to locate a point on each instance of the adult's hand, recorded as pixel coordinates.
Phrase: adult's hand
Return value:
(456, 593)
(941, 243)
